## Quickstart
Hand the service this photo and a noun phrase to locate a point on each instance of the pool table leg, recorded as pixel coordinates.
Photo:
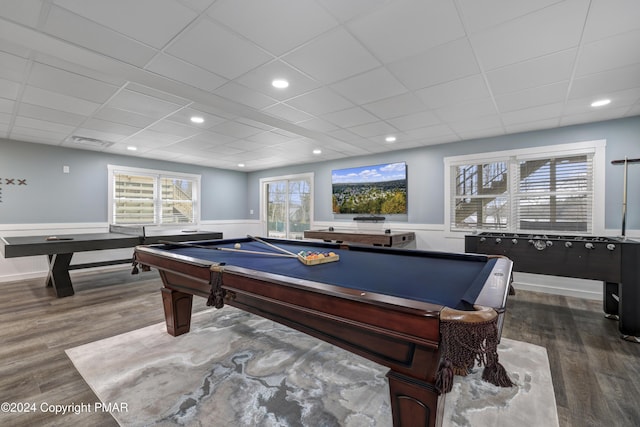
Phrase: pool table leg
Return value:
(414, 402)
(177, 311)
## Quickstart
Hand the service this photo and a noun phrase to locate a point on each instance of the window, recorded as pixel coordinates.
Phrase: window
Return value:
(532, 190)
(287, 205)
(141, 196)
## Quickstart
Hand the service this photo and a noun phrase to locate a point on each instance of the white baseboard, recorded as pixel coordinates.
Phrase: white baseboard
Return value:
(428, 237)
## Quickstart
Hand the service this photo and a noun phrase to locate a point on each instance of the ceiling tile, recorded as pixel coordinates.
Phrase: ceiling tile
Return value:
(414, 121)
(378, 128)
(396, 106)
(110, 127)
(533, 97)
(407, 27)
(64, 82)
(184, 115)
(542, 112)
(287, 113)
(432, 133)
(88, 34)
(168, 17)
(152, 139)
(269, 138)
(206, 42)
(601, 84)
(24, 12)
(541, 71)
(454, 92)
(471, 110)
(441, 64)
(318, 124)
(9, 89)
(368, 87)
(350, 117)
(98, 134)
(623, 98)
(173, 128)
(480, 15)
(332, 57)
(208, 139)
(610, 53)
(320, 101)
(592, 116)
(259, 79)
(465, 128)
(553, 29)
(124, 117)
(237, 93)
(6, 107)
(610, 17)
(50, 114)
(235, 129)
(31, 123)
(182, 71)
(13, 67)
(142, 104)
(347, 10)
(276, 25)
(36, 135)
(49, 99)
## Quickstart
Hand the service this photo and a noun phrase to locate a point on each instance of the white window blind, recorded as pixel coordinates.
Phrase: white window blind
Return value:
(524, 192)
(555, 194)
(481, 199)
(140, 196)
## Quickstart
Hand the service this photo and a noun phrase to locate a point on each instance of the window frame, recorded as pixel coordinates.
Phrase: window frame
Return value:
(158, 175)
(594, 147)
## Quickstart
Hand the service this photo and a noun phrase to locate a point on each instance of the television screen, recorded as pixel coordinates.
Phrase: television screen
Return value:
(377, 189)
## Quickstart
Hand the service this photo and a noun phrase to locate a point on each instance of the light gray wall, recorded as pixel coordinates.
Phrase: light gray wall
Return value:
(426, 170)
(52, 196)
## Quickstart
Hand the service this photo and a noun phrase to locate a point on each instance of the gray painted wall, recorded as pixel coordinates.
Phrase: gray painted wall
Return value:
(52, 196)
(426, 170)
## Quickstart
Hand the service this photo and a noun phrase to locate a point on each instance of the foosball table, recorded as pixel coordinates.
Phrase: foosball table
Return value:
(614, 261)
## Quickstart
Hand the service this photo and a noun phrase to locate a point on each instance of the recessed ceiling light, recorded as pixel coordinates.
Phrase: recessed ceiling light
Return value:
(390, 138)
(197, 119)
(317, 151)
(240, 165)
(280, 84)
(132, 148)
(601, 103)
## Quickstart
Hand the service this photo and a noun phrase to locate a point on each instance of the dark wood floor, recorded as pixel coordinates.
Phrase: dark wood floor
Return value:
(596, 375)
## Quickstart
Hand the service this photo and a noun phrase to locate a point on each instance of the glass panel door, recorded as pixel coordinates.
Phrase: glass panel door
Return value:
(288, 207)
(276, 209)
(299, 208)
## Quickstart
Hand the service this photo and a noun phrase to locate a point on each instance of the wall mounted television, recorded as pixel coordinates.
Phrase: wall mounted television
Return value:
(376, 189)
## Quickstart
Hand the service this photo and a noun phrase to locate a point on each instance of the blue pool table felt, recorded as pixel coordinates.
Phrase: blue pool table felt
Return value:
(453, 282)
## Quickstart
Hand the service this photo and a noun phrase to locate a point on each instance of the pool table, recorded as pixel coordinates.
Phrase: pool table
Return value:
(388, 305)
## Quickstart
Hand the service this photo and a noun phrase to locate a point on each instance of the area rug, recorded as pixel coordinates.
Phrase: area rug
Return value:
(237, 369)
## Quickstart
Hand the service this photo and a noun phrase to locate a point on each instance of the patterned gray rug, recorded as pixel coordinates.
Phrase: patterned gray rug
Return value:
(237, 369)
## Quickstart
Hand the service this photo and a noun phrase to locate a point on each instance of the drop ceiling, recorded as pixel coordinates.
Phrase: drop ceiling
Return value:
(111, 75)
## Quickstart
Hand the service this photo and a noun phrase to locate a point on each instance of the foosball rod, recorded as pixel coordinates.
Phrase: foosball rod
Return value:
(625, 162)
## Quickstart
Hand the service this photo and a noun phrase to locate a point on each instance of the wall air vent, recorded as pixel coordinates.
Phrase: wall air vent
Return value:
(91, 142)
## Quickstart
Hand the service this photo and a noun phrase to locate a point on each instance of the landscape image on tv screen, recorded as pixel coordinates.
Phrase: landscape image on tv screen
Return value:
(375, 190)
